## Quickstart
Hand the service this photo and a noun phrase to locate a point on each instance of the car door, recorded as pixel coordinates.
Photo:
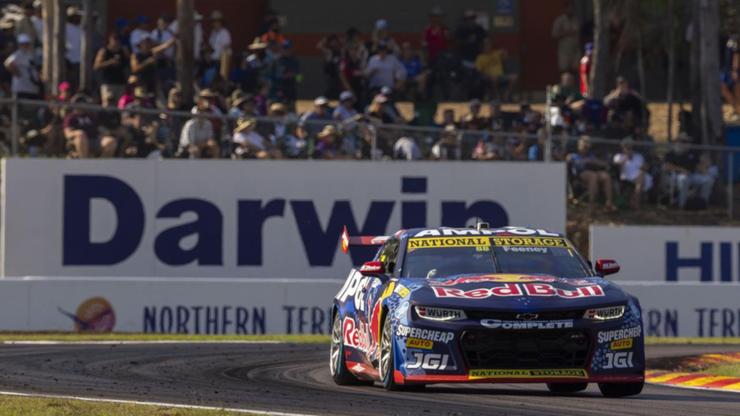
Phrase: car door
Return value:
(377, 289)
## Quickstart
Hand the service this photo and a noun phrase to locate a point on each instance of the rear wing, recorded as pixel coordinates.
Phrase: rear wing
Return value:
(364, 240)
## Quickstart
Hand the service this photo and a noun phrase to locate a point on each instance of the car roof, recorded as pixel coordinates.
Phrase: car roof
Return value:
(473, 231)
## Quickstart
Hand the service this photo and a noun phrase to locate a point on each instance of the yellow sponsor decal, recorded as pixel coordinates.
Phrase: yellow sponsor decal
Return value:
(522, 373)
(530, 242)
(388, 291)
(423, 344)
(443, 242)
(402, 291)
(621, 344)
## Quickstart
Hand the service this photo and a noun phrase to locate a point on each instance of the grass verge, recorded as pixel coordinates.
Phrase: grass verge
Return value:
(37, 406)
(126, 336)
(730, 370)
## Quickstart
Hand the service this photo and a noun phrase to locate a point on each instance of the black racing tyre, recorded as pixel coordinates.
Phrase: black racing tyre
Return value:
(564, 388)
(386, 363)
(337, 365)
(620, 389)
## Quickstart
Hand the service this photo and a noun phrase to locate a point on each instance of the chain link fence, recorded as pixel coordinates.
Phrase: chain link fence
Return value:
(621, 173)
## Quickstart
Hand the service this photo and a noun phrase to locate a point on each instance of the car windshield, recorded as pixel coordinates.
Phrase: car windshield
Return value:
(429, 257)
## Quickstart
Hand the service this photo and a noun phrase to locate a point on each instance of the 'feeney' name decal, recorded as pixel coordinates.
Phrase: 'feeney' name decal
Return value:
(517, 289)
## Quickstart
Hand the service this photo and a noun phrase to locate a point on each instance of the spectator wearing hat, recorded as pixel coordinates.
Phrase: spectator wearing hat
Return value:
(384, 70)
(447, 147)
(633, 171)
(314, 120)
(242, 106)
(380, 35)
(248, 144)
(254, 68)
(282, 132)
(436, 36)
(73, 38)
(82, 133)
(327, 144)
(209, 103)
(346, 109)
(273, 33)
(197, 139)
(24, 69)
(219, 40)
(144, 62)
(112, 62)
(140, 32)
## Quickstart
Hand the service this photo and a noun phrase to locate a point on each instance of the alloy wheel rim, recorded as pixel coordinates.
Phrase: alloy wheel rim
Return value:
(385, 350)
(336, 344)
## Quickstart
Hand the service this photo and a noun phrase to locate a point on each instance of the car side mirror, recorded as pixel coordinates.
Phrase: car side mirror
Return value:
(372, 268)
(606, 266)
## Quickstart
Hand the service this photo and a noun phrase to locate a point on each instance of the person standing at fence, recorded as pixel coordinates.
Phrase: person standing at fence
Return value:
(73, 33)
(24, 69)
(112, 62)
(566, 30)
(144, 63)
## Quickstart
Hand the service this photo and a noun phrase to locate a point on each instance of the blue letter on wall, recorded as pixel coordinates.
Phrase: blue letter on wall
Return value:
(208, 250)
(79, 191)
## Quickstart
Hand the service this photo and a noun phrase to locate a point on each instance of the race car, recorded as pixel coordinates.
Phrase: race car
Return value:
(482, 305)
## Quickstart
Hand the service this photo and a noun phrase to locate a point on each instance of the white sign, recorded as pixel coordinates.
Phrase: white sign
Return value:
(108, 218)
(670, 253)
(287, 306)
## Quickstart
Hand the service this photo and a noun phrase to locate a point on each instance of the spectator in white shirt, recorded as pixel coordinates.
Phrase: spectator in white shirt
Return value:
(384, 69)
(220, 38)
(249, 144)
(21, 64)
(161, 35)
(142, 30)
(74, 44)
(197, 136)
(632, 170)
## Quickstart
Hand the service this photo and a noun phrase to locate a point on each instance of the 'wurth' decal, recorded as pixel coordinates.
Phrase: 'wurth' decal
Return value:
(517, 289)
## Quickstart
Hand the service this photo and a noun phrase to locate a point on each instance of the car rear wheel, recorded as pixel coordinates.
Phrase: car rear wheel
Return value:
(620, 389)
(337, 365)
(563, 388)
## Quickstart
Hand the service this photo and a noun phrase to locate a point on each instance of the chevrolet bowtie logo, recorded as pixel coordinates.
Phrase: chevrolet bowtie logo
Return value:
(526, 316)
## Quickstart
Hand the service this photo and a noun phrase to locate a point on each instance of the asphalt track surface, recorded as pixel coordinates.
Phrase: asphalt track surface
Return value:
(295, 378)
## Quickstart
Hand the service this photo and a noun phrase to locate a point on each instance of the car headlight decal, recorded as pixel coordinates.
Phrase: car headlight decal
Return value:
(439, 314)
(605, 314)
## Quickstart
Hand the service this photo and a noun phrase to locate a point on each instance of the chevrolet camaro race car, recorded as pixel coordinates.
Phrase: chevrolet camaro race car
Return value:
(464, 305)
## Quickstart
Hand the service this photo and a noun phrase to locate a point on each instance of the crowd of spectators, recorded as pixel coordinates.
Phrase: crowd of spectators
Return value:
(245, 107)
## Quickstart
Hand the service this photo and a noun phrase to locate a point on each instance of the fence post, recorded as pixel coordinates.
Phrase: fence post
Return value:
(14, 132)
(731, 184)
(373, 141)
(547, 156)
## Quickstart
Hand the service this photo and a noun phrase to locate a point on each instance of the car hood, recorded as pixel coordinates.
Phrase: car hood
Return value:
(513, 292)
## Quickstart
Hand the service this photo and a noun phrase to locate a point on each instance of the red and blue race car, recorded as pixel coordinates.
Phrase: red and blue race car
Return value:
(471, 305)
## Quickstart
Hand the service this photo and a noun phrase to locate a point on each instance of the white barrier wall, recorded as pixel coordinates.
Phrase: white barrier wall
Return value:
(670, 253)
(286, 306)
(168, 218)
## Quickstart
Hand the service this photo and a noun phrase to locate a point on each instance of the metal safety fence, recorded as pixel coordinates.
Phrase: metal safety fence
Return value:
(679, 173)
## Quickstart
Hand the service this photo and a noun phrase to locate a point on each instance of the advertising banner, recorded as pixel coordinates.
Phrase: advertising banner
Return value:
(670, 253)
(167, 218)
(287, 306)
